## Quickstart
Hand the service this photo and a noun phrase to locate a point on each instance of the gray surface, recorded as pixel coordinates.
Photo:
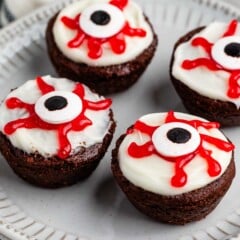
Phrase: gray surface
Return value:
(236, 2)
(3, 15)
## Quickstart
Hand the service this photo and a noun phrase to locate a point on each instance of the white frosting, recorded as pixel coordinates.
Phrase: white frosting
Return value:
(134, 45)
(154, 173)
(46, 142)
(213, 84)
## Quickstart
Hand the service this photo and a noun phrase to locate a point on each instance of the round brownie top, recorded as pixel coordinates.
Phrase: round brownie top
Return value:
(173, 153)
(209, 62)
(103, 32)
(54, 116)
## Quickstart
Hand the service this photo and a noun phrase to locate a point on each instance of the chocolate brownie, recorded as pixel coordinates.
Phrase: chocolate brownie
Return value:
(53, 137)
(141, 172)
(106, 74)
(202, 78)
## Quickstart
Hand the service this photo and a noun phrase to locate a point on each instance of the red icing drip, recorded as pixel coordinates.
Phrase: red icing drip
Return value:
(225, 146)
(205, 62)
(33, 120)
(100, 104)
(95, 48)
(214, 168)
(43, 86)
(64, 144)
(170, 117)
(117, 42)
(11, 127)
(234, 89)
(79, 90)
(199, 41)
(144, 128)
(134, 32)
(77, 40)
(144, 150)
(194, 123)
(71, 23)
(232, 27)
(233, 86)
(180, 177)
(81, 123)
(13, 103)
(119, 3)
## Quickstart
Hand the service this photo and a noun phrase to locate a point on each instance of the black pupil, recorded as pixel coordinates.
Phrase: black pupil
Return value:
(178, 135)
(100, 17)
(55, 103)
(233, 49)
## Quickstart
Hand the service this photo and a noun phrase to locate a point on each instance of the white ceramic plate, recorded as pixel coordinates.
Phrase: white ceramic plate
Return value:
(96, 209)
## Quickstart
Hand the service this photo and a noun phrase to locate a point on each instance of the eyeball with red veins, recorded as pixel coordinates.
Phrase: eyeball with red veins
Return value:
(176, 139)
(58, 107)
(102, 20)
(226, 52)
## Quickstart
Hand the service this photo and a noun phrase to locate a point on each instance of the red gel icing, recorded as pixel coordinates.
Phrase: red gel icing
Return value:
(231, 28)
(116, 42)
(211, 64)
(180, 177)
(34, 121)
(119, 3)
(199, 41)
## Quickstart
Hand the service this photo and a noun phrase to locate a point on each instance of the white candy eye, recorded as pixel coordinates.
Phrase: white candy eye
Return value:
(226, 52)
(176, 139)
(102, 20)
(58, 107)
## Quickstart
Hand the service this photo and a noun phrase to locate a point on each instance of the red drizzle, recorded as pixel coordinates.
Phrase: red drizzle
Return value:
(202, 42)
(116, 42)
(231, 28)
(33, 120)
(180, 177)
(211, 64)
(119, 3)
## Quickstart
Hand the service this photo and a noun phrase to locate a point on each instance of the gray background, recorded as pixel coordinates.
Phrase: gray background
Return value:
(236, 2)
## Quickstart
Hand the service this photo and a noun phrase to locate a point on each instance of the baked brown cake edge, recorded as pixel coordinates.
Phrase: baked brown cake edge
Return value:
(178, 209)
(54, 172)
(224, 112)
(106, 79)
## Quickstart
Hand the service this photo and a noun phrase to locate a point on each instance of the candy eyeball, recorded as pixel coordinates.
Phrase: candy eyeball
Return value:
(226, 52)
(102, 20)
(175, 139)
(58, 107)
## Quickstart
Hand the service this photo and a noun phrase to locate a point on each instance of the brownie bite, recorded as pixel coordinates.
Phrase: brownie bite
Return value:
(54, 132)
(106, 45)
(205, 70)
(174, 167)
